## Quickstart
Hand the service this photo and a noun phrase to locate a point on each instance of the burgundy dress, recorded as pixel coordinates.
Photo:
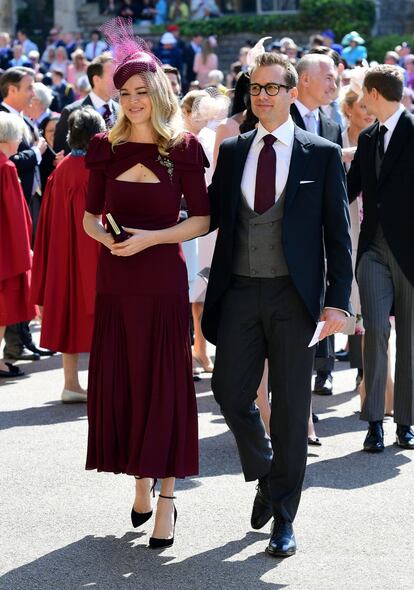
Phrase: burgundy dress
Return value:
(142, 409)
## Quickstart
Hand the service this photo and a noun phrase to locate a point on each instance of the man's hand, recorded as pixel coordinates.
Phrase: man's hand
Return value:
(335, 321)
(41, 144)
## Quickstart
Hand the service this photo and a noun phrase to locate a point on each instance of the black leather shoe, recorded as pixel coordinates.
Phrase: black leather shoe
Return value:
(374, 441)
(21, 355)
(323, 384)
(262, 506)
(282, 542)
(405, 437)
(40, 351)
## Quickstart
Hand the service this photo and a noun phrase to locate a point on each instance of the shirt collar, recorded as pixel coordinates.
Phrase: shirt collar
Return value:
(304, 110)
(392, 121)
(284, 133)
(11, 109)
(97, 102)
(44, 115)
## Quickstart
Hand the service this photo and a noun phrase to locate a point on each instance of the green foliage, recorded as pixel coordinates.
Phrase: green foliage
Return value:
(342, 16)
(378, 47)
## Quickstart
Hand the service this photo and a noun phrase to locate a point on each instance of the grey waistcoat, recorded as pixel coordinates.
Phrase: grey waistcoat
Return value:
(258, 248)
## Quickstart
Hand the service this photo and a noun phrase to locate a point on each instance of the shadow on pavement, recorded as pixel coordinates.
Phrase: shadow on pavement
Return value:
(110, 563)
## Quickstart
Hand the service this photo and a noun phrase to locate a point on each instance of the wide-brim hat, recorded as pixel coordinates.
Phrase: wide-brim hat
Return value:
(353, 36)
(168, 39)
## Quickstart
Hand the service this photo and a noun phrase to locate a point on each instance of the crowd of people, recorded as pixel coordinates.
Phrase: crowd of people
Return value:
(105, 145)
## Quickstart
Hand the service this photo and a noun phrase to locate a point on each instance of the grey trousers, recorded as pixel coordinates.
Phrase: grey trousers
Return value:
(382, 284)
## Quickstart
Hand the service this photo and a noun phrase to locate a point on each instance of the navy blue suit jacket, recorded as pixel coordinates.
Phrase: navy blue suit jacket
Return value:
(315, 224)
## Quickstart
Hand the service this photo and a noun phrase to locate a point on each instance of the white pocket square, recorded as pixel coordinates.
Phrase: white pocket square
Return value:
(306, 181)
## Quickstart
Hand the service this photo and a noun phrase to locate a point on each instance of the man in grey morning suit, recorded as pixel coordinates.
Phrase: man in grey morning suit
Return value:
(383, 169)
(278, 198)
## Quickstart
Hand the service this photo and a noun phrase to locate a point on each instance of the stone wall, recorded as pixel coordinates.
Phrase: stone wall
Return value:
(395, 16)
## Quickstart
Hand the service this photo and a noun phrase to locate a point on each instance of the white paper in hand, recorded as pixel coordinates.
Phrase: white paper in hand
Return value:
(315, 337)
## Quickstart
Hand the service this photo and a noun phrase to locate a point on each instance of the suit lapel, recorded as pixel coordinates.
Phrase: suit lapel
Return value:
(396, 145)
(297, 117)
(298, 164)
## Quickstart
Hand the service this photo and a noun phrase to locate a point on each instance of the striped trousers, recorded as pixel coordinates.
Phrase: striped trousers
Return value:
(382, 284)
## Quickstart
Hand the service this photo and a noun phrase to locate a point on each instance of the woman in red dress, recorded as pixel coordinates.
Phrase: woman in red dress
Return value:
(15, 233)
(141, 402)
(65, 259)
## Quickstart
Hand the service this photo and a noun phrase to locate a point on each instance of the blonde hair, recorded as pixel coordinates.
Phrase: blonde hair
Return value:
(348, 100)
(166, 115)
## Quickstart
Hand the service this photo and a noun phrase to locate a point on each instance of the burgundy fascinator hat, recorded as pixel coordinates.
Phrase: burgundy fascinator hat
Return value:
(131, 54)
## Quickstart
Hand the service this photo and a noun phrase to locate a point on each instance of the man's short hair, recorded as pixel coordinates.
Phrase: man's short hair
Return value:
(167, 69)
(387, 80)
(322, 50)
(13, 77)
(96, 67)
(277, 59)
(311, 59)
(43, 94)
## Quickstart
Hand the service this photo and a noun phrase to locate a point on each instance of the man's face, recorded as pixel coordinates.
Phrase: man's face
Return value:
(319, 83)
(271, 110)
(198, 39)
(22, 95)
(104, 85)
(369, 101)
(175, 85)
(17, 51)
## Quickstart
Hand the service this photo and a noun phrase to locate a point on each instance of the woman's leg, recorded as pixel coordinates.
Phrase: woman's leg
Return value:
(142, 501)
(389, 389)
(70, 371)
(200, 343)
(262, 400)
(164, 517)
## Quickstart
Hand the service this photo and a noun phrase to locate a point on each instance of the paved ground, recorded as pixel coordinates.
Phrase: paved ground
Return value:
(65, 529)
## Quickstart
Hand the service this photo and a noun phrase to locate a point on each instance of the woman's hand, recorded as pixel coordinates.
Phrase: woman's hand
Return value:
(140, 239)
(107, 240)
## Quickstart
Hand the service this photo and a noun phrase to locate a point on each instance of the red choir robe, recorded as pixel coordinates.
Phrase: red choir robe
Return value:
(65, 261)
(15, 254)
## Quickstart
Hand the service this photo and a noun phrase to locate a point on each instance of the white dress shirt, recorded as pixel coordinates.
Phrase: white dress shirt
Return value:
(283, 148)
(303, 111)
(391, 124)
(98, 105)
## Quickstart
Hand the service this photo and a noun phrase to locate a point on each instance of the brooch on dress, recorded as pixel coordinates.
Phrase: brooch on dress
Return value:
(169, 164)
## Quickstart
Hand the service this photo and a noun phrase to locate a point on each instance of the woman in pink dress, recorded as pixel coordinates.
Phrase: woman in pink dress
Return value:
(205, 61)
(141, 401)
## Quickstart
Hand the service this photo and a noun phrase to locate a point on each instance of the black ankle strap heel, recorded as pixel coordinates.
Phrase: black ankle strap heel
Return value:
(155, 543)
(138, 518)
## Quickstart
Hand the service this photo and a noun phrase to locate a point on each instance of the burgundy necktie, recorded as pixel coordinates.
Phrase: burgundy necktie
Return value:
(106, 114)
(265, 193)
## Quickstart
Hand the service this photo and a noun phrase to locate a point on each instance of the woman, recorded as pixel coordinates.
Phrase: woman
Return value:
(358, 119)
(199, 108)
(61, 61)
(77, 68)
(205, 61)
(141, 401)
(15, 234)
(65, 260)
(49, 159)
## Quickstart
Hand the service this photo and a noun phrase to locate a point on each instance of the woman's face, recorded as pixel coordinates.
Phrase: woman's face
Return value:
(193, 123)
(358, 116)
(135, 100)
(49, 132)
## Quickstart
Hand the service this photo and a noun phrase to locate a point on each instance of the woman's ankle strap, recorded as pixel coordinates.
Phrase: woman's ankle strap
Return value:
(167, 497)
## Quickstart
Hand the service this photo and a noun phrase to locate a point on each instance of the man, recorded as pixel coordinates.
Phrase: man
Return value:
(190, 51)
(174, 77)
(278, 198)
(382, 169)
(26, 43)
(100, 76)
(62, 88)
(316, 87)
(16, 87)
(6, 53)
(95, 47)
